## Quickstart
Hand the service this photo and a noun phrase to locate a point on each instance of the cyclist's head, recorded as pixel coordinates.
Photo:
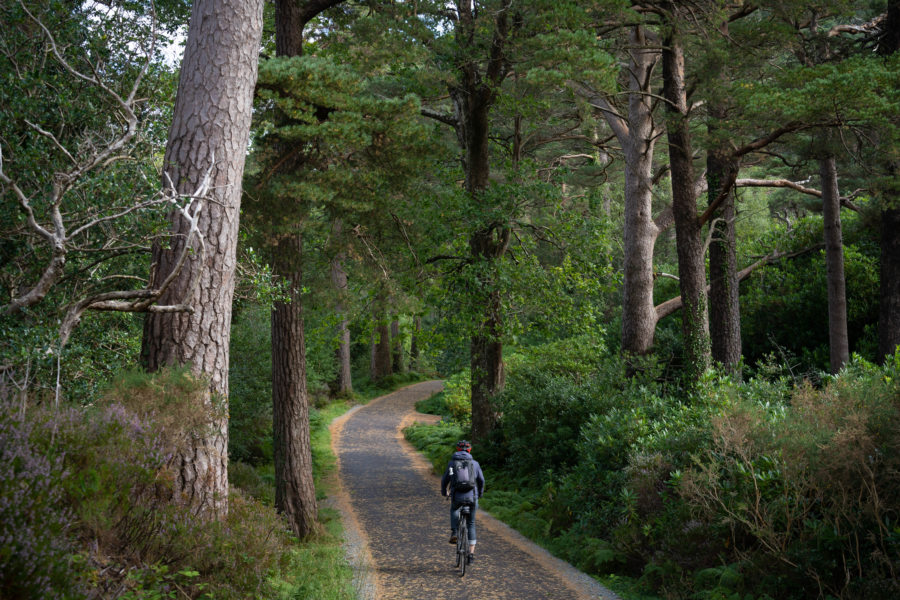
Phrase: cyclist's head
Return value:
(464, 445)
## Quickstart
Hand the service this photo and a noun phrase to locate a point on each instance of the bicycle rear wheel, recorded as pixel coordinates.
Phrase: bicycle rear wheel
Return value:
(458, 546)
(463, 548)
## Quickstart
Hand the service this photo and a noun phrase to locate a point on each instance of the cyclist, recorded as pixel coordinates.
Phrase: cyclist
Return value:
(460, 498)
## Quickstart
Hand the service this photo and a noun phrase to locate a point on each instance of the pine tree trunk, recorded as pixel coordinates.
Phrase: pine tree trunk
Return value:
(414, 344)
(344, 383)
(381, 358)
(295, 494)
(640, 234)
(834, 261)
(688, 233)
(889, 309)
(373, 344)
(396, 347)
(486, 351)
(210, 127)
(473, 96)
(724, 299)
(383, 362)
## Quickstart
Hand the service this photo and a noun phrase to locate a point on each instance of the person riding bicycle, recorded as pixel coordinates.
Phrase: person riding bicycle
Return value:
(459, 498)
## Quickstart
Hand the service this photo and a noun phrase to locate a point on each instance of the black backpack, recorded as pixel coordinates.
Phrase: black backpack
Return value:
(462, 475)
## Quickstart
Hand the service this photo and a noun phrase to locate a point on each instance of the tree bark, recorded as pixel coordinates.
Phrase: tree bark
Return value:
(473, 96)
(638, 139)
(209, 134)
(381, 361)
(889, 305)
(688, 233)
(838, 338)
(344, 382)
(396, 347)
(373, 344)
(486, 351)
(295, 493)
(724, 298)
(414, 344)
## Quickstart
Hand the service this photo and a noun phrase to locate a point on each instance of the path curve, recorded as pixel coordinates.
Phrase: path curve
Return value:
(397, 524)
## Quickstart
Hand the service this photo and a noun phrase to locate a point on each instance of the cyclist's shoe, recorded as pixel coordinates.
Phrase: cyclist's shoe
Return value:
(453, 539)
(470, 559)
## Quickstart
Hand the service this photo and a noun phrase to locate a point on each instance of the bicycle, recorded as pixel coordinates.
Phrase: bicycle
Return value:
(462, 538)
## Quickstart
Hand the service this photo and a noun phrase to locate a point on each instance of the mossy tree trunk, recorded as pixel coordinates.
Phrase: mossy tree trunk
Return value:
(688, 230)
(724, 287)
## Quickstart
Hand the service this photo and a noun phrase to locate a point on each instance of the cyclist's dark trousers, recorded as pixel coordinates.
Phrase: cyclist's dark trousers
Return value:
(454, 518)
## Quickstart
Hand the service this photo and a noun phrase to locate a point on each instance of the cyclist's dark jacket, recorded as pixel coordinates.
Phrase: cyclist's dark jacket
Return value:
(479, 478)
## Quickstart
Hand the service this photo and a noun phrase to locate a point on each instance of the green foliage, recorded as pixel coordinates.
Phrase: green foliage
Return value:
(784, 305)
(46, 142)
(809, 487)
(630, 477)
(250, 385)
(859, 89)
(324, 140)
(436, 441)
(457, 397)
(109, 523)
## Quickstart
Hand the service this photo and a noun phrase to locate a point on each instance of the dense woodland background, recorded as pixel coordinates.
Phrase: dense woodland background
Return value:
(652, 247)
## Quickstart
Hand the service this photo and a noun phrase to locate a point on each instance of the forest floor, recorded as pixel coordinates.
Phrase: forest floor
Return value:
(397, 524)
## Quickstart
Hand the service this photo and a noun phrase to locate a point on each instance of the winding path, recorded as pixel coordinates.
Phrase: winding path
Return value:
(397, 523)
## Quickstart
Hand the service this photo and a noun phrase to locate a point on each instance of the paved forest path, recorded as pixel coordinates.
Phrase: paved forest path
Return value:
(398, 524)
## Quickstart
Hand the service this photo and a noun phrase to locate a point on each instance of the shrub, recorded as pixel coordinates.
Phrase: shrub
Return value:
(458, 397)
(35, 525)
(542, 415)
(436, 441)
(785, 304)
(250, 385)
(812, 489)
(109, 495)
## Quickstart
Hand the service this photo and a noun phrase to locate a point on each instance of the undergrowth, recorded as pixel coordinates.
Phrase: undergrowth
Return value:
(728, 490)
(87, 512)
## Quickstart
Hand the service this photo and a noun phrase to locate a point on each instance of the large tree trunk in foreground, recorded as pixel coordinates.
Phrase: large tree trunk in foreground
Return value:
(295, 494)
(209, 134)
(834, 262)
(688, 233)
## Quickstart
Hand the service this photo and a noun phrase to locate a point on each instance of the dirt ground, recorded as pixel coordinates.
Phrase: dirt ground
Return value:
(397, 524)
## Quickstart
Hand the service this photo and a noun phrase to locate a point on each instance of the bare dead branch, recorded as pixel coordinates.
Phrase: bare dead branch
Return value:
(846, 201)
